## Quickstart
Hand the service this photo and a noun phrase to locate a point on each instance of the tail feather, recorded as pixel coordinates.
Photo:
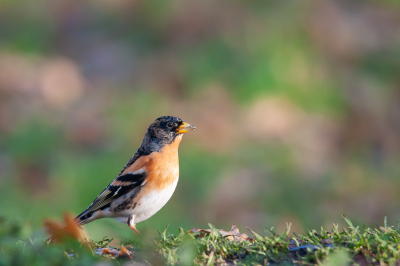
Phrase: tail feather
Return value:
(84, 218)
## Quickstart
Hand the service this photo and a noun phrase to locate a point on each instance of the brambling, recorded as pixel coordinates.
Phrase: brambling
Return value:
(147, 181)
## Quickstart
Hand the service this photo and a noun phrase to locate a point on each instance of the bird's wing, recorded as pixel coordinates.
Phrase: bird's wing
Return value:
(130, 178)
(119, 187)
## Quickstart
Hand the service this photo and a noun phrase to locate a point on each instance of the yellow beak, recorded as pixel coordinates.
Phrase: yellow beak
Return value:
(184, 127)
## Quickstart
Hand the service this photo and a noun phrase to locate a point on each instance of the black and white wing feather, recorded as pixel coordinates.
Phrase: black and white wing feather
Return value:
(119, 187)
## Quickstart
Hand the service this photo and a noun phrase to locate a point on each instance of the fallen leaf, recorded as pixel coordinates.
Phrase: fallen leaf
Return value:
(123, 252)
(115, 253)
(67, 230)
(109, 251)
(234, 230)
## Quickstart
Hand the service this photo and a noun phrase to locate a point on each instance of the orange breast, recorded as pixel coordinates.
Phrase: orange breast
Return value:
(164, 166)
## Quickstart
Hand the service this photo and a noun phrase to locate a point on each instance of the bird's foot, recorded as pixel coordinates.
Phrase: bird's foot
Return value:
(133, 227)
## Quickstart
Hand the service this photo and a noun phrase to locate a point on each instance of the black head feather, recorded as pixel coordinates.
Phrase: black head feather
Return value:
(161, 132)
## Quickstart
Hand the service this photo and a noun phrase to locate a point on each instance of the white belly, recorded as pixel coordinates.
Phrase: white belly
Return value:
(150, 204)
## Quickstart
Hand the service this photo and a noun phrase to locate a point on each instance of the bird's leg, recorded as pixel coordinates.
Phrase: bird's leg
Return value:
(132, 225)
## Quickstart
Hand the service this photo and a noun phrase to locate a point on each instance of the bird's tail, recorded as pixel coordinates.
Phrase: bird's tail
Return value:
(84, 218)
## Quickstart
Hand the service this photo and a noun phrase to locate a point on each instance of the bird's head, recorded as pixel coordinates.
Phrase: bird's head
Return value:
(164, 130)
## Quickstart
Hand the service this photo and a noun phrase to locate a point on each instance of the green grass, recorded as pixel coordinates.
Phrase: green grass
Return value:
(350, 246)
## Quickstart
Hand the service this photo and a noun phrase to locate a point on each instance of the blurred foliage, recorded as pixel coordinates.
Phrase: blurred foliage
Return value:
(296, 103)
(352, 246)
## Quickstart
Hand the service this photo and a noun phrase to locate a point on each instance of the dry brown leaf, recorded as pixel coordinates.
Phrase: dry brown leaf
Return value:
(232, 235)
(67, 230)
(109, 251)
(113, 252)
(234, 230)
(123, 252)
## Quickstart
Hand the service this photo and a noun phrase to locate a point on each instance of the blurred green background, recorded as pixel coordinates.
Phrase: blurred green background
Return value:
(296, 103)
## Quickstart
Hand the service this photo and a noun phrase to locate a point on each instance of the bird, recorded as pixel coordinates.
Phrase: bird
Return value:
(147, 181)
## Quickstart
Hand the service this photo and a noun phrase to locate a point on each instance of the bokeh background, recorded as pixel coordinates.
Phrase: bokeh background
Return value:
(296, 103)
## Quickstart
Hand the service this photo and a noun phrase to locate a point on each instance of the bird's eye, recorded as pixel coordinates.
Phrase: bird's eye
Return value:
(170, 124)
